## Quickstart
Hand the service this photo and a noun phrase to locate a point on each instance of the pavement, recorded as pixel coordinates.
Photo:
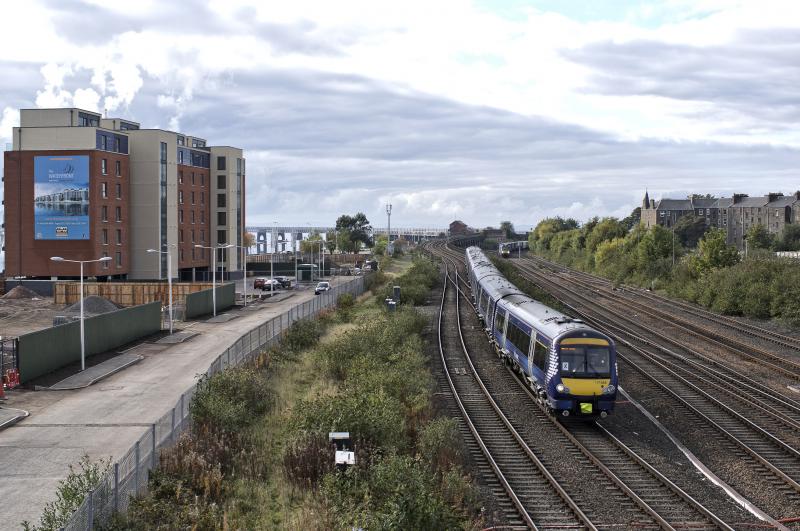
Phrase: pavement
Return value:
(105, 419)
(95, 373)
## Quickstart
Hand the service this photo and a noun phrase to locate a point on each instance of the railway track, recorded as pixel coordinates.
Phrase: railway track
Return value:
(674, 311)
(652, 500)
(721, 408)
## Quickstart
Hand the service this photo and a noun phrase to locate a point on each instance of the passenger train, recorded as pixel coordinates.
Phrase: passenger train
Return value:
(571, 367)
(505, 249)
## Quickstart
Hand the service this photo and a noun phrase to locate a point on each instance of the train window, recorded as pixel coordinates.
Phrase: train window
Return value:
(518, 338)
(539, 355)
(579, 361)
(499, 321)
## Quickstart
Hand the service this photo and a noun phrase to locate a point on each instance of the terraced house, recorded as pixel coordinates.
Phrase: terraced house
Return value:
(735, 214)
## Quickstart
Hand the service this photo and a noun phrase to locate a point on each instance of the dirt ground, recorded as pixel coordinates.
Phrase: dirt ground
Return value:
(21, 316)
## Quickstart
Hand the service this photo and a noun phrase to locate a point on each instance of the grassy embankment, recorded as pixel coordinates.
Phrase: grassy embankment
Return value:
(258, 457)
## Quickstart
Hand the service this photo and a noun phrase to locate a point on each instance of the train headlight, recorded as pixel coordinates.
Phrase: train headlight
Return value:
(610, 389)
(561, 388)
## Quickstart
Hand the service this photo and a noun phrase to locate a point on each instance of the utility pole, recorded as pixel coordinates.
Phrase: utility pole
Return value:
(388, 225)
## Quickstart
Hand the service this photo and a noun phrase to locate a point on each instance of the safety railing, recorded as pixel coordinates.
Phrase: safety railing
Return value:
(129, 475)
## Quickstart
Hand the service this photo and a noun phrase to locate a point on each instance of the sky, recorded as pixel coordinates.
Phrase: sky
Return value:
(482, 110)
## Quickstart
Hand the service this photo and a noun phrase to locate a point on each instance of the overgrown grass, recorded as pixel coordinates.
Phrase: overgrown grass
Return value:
(415, 283)
(258, 456)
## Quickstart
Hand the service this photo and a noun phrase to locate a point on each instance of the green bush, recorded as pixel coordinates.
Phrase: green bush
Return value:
(304, 333)
(415, 283)
(440, 444)
(396, 492)
(231, 399)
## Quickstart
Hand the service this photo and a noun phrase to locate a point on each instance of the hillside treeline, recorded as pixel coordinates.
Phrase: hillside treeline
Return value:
(693, 262)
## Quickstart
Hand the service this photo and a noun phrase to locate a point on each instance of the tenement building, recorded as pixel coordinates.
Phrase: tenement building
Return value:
(736, 214)
(83, 187)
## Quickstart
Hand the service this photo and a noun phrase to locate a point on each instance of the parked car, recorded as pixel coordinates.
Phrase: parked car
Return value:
(285, 282)
(258, 282)
(322, 287)
(266, 284)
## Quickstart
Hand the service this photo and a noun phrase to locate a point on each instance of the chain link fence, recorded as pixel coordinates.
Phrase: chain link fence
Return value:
(129, 476)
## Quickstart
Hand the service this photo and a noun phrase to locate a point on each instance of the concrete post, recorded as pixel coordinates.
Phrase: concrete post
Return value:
(153, 448)
(136, 475)
(116, 487)
(172, 431)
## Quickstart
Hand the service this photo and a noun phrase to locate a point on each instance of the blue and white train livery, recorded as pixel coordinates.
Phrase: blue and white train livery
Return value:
(571, 367)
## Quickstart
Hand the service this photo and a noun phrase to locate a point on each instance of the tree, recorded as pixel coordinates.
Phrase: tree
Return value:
(547, 228)
(311, 244)
(789, 239)
(689, 229)
(381, 242)
(330, 241)
(357, 229)
(605, 230)
(655, 245)
(248, 240)
(634, 219)
(758, 237)
(508, 228)
(713, 252)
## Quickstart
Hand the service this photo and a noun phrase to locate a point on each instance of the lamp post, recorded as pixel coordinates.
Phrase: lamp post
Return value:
(81, 262)
(271, 260)
(214, 271)
(169, 277)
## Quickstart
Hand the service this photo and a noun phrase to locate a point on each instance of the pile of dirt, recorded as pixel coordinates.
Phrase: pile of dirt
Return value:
(21, 292)
(93, 304)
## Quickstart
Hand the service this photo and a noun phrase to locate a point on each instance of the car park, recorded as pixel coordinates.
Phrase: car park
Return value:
(322, 287)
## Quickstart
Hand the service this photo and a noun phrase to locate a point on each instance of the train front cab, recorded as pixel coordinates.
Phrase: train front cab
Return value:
(585, 380)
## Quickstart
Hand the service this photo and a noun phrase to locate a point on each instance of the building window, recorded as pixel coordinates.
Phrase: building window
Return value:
(192, 178)
(192, 216)
(202, 198)
(221, 237)
(119, 258)
(181, 255)
(118, 168)
(180, 235)
(104, 166)
(221, 218)
(192, 196)
(193, 252)
(180, 196)
(202, 217)
(105, 236)
(104, 190)
(220, 200)
(119, 236)
(220, 182)
(180, 216)
(220, 163)
(192, 235)
(105, 263)
(181, 141)
(180, 176)
(202, 236)
(202, 179)
(119, 191)
(118, 213)
(116, 144)
(104, 213)
(104, 142)
(180, 157)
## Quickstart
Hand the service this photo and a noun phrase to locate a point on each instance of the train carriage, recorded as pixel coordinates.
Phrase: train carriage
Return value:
(570, 366)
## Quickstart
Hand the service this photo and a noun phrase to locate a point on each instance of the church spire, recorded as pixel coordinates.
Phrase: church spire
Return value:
(646, 200)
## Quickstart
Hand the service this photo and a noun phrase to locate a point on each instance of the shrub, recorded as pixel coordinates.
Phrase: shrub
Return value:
(440, 444)
(303, 334)
(307, 458)
(231, 399)
(70, 494)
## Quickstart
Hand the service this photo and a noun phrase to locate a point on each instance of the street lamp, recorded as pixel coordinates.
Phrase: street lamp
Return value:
(214, 271)
(169, 278)
(81, 262)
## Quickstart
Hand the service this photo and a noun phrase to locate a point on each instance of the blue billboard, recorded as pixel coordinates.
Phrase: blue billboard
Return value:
(61, 197)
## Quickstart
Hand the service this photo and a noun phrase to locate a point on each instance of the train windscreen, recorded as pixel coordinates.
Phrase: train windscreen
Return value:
(585, 361)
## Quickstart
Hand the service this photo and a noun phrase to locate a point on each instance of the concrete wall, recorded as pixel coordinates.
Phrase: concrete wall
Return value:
(49, 137)
(50, 349)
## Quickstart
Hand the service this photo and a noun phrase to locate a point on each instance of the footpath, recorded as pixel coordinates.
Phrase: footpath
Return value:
(105, 419)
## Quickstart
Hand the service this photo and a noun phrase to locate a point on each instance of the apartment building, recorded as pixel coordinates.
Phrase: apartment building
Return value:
(736, 214)
(81, 186)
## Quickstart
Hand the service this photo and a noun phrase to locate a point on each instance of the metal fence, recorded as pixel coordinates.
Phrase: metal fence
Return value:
(129, 475)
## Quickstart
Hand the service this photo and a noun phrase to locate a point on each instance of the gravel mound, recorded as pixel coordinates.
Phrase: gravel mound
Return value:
(21, 292)
(94, 305)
